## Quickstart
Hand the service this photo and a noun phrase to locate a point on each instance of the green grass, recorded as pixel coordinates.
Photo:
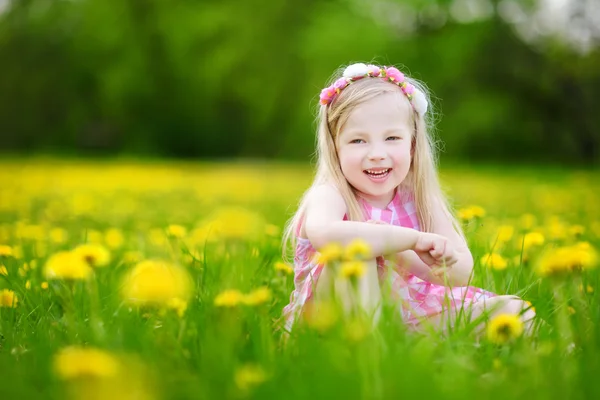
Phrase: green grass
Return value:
(127, 207)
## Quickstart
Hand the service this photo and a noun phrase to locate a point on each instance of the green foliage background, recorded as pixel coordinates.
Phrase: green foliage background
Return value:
(229, 78)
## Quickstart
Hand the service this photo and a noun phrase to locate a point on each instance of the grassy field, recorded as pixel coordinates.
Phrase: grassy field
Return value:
(150, 280)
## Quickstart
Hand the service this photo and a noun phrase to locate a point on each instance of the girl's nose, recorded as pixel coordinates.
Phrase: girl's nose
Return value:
(376, 153)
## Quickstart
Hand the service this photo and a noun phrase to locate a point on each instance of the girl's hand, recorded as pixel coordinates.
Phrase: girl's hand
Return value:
(436, 251)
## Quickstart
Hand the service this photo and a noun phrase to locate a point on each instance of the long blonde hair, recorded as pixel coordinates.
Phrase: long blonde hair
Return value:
(421, 181)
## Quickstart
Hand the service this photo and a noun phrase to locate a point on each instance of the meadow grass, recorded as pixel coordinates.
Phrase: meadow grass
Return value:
(197, 246)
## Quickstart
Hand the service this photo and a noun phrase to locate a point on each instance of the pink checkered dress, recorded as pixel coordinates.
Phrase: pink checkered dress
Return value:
(417, 299)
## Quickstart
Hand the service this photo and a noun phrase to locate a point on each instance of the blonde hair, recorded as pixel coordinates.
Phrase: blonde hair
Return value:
(421, 181)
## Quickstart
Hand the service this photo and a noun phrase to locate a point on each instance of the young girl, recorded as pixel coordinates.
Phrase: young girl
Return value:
(376, 180)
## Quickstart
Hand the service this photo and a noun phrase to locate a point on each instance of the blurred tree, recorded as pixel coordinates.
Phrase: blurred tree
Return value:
(233, 78)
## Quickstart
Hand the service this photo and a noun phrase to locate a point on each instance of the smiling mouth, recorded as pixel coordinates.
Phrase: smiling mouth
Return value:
(377, 173)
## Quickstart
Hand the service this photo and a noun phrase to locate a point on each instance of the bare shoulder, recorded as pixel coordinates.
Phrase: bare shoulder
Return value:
(325, 204)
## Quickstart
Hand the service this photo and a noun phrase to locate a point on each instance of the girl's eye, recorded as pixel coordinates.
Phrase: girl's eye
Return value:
(356, 141)
(394, 138)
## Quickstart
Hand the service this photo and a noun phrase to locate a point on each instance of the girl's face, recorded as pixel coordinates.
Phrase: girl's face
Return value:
(374, 147)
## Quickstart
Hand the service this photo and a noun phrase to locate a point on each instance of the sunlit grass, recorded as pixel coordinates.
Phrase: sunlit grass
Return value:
(179, 288)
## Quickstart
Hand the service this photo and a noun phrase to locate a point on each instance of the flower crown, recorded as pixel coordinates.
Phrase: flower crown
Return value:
(358, 71)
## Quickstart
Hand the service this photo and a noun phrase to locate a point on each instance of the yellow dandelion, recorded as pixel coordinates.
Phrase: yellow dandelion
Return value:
(28, 285)
(235, 223)
(257, 296)
(588, 289)
(94, 236)
(357, 249)
(352, 269)
(532, 239)
(504, 328)
(132, 257)
(330, 253)
(178, 305)
(176, 231)
(6, 251)
(58, 235)
(504, 233)
(77, 362)
(94, 254)
(272, 230)
(494, 261)
(477, 211)
(576, 230)
(320, 316)
(44, 285)
(563, 260)
(229, 298)
(465, 214)
(155, 282)
(528, 221)
(8, 298)
(356, 330)
(67, 265)
(3, 270)
(249, 376)
(114, 238)
(281, 266)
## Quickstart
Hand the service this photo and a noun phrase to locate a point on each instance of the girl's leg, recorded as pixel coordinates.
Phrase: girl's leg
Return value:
(367, 295)
(492, 307)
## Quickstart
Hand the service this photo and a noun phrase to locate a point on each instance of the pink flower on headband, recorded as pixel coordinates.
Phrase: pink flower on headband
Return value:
(327, 95)
(373, 70)
(394, 75)
(408, 89)
(340, 84)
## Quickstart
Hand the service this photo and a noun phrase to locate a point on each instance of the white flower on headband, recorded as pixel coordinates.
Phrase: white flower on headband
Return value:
(354, 70)
(419, 102)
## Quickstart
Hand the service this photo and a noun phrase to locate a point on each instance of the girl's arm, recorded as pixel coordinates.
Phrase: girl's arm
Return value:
(324, 224)
(459, 273)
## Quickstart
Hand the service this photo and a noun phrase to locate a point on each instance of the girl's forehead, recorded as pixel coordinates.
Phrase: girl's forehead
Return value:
(387, 109)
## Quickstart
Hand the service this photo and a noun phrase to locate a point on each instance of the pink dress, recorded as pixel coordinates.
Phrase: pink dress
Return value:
(417, 299)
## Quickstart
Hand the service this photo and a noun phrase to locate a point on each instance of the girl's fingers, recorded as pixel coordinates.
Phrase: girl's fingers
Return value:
(440, 271)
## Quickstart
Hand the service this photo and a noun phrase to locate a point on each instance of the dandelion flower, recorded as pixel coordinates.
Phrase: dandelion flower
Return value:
(352, 269)
(567, 259)
(257, 296)
(329, 253)
(94, 254)
(6, 251)
(505, 233)
(494, 261)
(67, 265)
(249, 376)
(155, 282)
(178, 305)
(229, 298)
(358, 249)
(3, 270)
(320, 316)
(8, 298)
(281, 266)
(76, 362)
(504, 328)
(532, 239)
(114, 238)
(58, 235)
(176, 231)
